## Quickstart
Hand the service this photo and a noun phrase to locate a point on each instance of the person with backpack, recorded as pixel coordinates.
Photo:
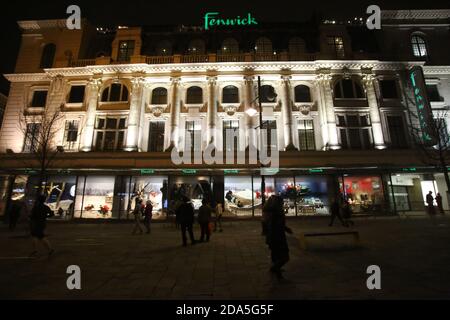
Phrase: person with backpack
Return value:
(38, 223)
(138, 212)
(148, 212)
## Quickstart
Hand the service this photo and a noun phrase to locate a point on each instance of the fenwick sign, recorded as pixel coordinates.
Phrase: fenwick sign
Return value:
(424, 112)
(213, 19)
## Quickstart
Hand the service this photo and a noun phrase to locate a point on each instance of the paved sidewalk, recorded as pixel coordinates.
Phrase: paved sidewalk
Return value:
(413, 255)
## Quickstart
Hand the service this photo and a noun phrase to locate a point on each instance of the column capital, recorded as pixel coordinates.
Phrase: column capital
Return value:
(95, 83)
(368, 79)
(212, 81)
(285, 79)
(137, 82)
(249, 79)
(175, 80)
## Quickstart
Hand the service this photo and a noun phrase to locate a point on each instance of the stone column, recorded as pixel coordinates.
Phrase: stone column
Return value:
(287, 113)
(88, 134)
(249, 103)
(134, 114)
(327, 94)
(374, 111)
(174, 114)
(212, 111)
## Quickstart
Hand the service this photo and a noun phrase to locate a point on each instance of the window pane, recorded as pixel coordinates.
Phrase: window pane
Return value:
(110, 137)
(105, 95)
(341, 121)
(355, 139)
(302, 94)
(230, 94)
(111, 123)
(156, 137)
(122, 123)
(159, 96)
(366, 138)
(121, 136)
(397, 132)
(39, 99)
(344, 142)
(352, 121)
(126, 50)
(76, 94)
(388, 89)
(433, 93)
(347, 86)
(231, 131)
(100, 123)
(99, 141)
(194, 95)
(115, 92)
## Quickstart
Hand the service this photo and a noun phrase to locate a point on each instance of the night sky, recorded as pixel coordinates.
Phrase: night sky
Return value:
(171, 12)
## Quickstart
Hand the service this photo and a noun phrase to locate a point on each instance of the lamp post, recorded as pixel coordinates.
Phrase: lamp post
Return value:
(251, 112)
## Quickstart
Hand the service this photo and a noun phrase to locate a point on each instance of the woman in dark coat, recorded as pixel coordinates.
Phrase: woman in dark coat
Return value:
(38, 222)
(276, 234)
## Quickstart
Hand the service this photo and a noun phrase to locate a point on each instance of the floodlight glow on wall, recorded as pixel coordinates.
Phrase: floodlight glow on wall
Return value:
(251, 112)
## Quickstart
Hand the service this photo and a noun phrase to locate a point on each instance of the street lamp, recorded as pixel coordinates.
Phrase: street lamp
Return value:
(270, 96)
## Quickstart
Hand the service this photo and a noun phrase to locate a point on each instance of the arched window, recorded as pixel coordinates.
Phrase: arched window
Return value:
(230, 94)
(194, 95)
(419, 46)
(268, 94)
(48, 55)
(164, 48)
(115, 92)
(263, 45)
(229, 46)
(296, 46)
(348, 89)
(159, 96)
(196, 46)
(302, 93)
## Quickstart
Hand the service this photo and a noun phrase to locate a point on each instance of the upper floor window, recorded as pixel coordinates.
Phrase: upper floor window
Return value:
(230, 94)
(433, 93)
(230, 135)
(267, 94)
(194, 95)
(306, 139)
(193, 136)
(269, 139)
(76, 94)
(110, 133)
(48, 56)
(302, 93)
(296, 46)
(348, 89)
(196, 46)
(39, 99)
(263, 46)
(336, 46)
(229, 46)
(355, 131)
(32, 138)
(115, 92)
(126, 50)
(71, 134)
(419, 46)
(388, 89)
(159, 96)
(441, 131)
(397, 131)
(164, 48)
(156, 136)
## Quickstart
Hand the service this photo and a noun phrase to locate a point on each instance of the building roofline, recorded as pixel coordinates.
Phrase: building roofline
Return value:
(433, 14)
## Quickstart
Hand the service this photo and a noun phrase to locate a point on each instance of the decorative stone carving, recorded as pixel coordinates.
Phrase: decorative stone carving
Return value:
(230, 110)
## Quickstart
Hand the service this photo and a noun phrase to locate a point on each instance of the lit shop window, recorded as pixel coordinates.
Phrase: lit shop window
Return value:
(95, 197)
(239, 199)
(311, 195)
(110, 133)
(364, 193)
(153, 189)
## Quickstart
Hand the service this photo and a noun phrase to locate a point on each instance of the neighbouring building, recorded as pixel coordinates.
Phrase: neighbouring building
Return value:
(336, 94)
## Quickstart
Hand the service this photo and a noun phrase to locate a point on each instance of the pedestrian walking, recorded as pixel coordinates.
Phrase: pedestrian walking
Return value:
(276, 234)
(439, 203)
(148, 213)
(430, 205)
(38, 223)
(218, 220)
(185, 212)
(14, 214)
(204, 217)
(336, 212)
(266, 211)
(347, 213)
(138, 213)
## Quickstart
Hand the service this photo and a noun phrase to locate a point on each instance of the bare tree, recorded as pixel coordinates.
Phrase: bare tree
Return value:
(40, 130)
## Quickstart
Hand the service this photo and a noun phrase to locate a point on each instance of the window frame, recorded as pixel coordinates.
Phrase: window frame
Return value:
(32, 147)
(236, 94)
(355, 83)
(152, 96)
(361, 127)
(306, 131)
(70, 92)
(339, 53)
(71, 145)
(123, 55)
(123, 85)
(105, 129)
(189, 98)
(236, 141)
(159, 141)
(417, 46)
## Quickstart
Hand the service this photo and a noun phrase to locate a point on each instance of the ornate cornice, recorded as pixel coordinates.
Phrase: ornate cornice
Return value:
(415, 14)
(436, 69)
(131, 70)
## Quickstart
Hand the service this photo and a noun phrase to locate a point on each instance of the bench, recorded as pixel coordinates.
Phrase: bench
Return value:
(355, 235)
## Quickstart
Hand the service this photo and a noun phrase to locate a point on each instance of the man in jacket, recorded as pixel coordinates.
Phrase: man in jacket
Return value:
(185, 212)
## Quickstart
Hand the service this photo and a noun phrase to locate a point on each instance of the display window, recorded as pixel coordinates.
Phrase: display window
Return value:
(285, 187)
(364, 193)
(61, 192)
(5, 183)
(239, 197)
(312, 194)
(96, 198)
(195, 188)
(269, 190)
(150, 189)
